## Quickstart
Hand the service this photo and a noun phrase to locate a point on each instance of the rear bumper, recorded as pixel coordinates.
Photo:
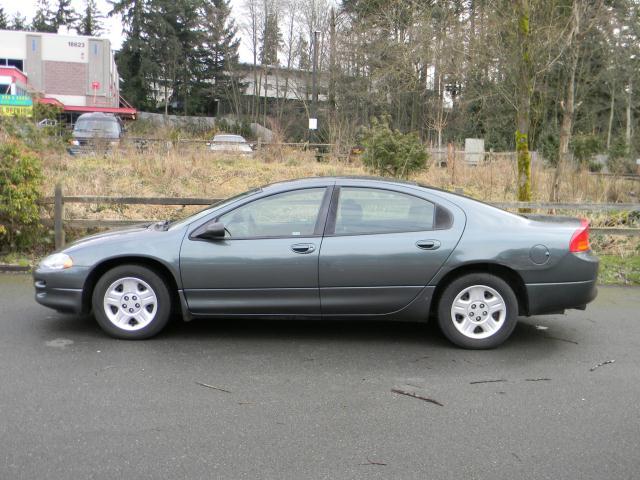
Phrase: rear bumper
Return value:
(556, 297)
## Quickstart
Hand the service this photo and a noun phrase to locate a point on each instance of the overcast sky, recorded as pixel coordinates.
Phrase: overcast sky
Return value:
(113, 26)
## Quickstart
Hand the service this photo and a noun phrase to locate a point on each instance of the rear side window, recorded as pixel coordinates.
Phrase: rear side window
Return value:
(370, 210)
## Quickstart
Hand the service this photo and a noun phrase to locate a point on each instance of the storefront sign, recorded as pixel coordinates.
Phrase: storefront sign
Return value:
(16, 105)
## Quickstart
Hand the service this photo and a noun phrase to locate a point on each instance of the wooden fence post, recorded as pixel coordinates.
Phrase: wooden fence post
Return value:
(58, 217)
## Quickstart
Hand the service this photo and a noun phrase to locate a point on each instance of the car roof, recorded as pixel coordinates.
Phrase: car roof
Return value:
(97, 115)
(229, 136)
(317, 181)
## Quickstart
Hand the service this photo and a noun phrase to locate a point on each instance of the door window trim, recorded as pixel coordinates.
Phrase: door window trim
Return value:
(317, 231)
(438, 212)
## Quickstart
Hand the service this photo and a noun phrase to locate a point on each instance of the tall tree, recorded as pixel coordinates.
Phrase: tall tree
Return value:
(271, 38)
(18, 22)
(218, 53)
(524, 88)
(4, 22)
(43, 20)
(65, 15)
(90, 22)
(133, 59)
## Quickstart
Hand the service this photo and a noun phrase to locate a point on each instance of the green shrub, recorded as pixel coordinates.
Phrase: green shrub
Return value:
(619, 157)
(20, 181)
(390, 152)
(585, 147)
(594, 166)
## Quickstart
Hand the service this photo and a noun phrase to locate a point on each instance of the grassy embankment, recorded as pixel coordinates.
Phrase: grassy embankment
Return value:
(193, 171)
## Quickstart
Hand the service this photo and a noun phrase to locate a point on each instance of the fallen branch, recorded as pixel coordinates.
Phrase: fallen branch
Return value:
(414, 395)
(212, 387)
(606, 362)
(487, 381)
(537, 379)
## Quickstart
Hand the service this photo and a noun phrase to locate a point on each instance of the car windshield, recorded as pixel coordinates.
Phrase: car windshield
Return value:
(229, 139)
(106, 125)
(219, 204)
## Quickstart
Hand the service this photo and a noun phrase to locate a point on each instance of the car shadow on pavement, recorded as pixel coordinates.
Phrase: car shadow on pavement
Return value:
(526, 337)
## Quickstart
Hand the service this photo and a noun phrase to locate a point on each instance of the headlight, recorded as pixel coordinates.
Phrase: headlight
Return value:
(75, 142)
(57, 261)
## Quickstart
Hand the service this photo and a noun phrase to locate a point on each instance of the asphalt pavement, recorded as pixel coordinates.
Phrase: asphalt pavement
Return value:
(314, 400)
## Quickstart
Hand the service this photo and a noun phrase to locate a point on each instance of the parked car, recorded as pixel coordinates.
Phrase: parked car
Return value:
(230, 144)
(330, 248)
(95, 132)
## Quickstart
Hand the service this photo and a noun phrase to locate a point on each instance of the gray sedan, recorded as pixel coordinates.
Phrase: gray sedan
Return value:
(330, 248)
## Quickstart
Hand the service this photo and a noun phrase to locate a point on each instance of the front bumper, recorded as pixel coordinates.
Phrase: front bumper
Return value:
(557, 297)
(60, 289)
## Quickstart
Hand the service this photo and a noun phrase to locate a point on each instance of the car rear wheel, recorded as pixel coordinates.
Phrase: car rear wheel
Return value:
(478, 311)
(131, 302)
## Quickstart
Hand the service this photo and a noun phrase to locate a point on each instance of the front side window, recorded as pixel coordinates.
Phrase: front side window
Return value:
(289, 214)
(370, 210)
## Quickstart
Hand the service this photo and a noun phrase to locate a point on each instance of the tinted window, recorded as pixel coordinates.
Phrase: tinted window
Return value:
(104, 126)
(368, 210)
(289, 214)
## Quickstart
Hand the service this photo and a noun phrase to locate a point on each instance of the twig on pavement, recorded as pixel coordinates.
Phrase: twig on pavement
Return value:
(212, 387)
(414, 395)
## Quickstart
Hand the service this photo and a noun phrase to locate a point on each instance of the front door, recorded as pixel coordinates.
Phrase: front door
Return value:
(382, 251)
(267, 264)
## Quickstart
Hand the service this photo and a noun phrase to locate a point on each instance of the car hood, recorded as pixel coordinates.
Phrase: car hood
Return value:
(139, 241)
(110, 235)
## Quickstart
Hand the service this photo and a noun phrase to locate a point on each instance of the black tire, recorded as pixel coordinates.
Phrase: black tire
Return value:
(503, 328)
(158, 311)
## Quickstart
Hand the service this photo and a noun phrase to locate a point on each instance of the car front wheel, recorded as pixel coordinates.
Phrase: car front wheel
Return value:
(131, 302)
(478, 311)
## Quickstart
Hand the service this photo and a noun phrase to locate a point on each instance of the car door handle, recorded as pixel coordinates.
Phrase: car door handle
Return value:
(428, 244)
(303, 247)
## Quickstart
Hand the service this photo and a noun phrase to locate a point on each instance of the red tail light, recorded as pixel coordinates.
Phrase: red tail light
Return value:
(580, 239)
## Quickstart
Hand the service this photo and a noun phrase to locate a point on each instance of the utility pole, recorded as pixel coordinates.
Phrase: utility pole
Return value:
(313, 120)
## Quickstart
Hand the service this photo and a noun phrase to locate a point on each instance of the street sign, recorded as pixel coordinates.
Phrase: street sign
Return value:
(95, 85)
(313, 124)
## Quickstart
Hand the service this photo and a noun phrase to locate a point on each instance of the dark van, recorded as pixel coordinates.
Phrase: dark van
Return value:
(95, 132)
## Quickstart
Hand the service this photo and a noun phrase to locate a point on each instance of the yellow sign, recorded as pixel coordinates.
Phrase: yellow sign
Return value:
(11, 110)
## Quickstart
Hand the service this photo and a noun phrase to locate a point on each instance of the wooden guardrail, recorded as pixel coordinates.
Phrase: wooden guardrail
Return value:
(59, 200)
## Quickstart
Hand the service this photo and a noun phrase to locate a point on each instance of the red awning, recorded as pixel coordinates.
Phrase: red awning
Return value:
(120, 111)
(50, 101)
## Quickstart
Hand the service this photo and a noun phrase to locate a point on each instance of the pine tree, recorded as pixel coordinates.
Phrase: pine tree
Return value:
(271, 39)
(91, 20)
(4, 23)
(43, 20)
(132, 59)
(304, 63)
(218, 54)
(65, 15)
(18, 22)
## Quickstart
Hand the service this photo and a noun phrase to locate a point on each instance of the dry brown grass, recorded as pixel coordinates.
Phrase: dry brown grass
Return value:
(193, 171)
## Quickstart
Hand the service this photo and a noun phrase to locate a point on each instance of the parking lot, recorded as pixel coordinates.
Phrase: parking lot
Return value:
(287, 400)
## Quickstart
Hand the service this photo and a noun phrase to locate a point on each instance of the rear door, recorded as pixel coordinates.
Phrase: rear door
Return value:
(267, 264)
(381, 248)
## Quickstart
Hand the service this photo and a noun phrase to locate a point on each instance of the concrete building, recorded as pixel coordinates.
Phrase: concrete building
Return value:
(75, 72)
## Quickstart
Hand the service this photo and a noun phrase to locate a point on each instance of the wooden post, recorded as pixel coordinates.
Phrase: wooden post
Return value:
(58, 217)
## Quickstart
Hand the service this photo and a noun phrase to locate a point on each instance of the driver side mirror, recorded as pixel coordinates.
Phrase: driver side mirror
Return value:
(212, 231)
